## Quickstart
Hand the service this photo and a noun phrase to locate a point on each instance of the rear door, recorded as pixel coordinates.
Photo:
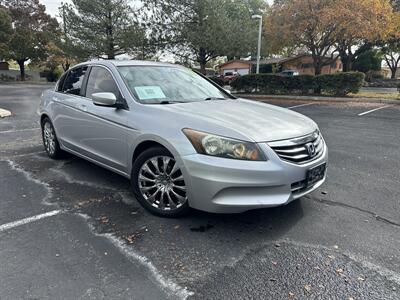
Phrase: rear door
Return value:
(70, 109)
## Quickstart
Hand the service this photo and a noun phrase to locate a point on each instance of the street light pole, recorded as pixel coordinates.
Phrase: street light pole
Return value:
(259, 17)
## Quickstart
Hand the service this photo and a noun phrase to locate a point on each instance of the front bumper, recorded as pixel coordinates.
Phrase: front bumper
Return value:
(232, 186)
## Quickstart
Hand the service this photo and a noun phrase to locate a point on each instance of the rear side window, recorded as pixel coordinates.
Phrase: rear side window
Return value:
(73, 81)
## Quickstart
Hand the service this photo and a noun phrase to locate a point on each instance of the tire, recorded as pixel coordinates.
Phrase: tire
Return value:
(50, 141)
(158, 183)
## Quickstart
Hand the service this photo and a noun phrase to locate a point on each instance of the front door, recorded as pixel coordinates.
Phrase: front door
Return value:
(106, 132)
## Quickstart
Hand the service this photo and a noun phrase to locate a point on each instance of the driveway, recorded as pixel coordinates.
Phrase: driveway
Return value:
(69, 229)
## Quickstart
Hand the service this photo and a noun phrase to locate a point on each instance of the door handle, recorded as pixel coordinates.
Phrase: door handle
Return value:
(55, 98)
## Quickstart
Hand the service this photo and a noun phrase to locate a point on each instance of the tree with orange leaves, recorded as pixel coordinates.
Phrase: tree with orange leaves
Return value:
(327, 28)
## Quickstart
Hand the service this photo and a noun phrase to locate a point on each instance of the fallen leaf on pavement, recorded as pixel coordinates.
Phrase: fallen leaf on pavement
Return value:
(361, 278)
(307, 287)
(339, 271)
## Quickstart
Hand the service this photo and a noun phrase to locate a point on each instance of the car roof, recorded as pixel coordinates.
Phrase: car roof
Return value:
(126, 62)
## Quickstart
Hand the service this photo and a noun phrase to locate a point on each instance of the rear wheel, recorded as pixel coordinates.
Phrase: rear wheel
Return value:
(158, 183)
(50, 140)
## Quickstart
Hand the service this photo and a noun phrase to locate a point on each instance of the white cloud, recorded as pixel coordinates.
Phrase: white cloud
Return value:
(53, 5)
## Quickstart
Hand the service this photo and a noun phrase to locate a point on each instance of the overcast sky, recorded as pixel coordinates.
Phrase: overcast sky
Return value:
(52, 5)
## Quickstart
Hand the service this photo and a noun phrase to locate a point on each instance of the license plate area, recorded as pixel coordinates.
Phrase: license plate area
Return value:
(315, 174)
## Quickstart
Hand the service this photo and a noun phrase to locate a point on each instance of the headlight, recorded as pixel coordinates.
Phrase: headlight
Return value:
(214, 145)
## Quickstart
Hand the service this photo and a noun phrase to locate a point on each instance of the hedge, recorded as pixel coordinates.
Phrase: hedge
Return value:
(340, 84)
(333, 84)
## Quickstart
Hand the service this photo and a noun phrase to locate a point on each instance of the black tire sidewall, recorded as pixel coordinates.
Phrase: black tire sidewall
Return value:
(137, 164)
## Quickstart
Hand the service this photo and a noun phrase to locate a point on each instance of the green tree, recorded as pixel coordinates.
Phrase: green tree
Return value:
(396, 4)
(370, 60)
(33, 28)
(5, 31)
(103, 28)
(201, 30)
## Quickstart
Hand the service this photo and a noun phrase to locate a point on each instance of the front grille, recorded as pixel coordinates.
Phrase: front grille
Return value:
(300, 150)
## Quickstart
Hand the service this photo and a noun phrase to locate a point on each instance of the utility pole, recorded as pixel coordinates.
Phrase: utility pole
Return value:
(260, 18)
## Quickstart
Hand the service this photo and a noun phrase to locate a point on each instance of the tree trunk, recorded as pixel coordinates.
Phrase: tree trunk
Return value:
(66, 66)
(21, 63)
(202, 61)
(347, 63)
(317, 67)
(393, 71)
(392, 63)
(347, 60)
(110, 38)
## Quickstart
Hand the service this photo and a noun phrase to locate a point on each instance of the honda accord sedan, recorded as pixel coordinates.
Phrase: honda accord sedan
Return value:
(183, 141)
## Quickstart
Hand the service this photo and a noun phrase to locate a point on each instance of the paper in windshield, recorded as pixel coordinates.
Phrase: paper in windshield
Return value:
(149, 92)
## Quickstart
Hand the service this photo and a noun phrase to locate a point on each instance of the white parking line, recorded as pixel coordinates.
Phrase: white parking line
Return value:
(301, 105)
(20, 130)
(14, 224)
(375, 109)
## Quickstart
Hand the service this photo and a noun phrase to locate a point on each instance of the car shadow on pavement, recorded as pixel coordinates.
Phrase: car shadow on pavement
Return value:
(187, 248)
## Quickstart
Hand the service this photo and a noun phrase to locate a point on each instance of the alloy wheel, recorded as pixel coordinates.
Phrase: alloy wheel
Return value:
(49, 138)
(161, 183)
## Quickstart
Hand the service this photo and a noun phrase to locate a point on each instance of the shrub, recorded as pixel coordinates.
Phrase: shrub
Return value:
(335, 84)
(217, 80)
(340, 84)
(266, 83)
(303, 84)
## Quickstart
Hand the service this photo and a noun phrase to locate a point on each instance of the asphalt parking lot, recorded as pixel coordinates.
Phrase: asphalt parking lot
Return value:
(71, 230)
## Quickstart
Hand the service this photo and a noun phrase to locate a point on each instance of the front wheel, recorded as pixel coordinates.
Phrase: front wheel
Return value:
(158, 183)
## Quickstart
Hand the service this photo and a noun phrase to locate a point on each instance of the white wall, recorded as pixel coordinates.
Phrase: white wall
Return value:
(34, 75)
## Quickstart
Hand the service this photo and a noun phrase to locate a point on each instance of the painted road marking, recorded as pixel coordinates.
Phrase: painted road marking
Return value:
(301, 105)
(14, 224)
(4, 113)
(375, 109)
(20, 130)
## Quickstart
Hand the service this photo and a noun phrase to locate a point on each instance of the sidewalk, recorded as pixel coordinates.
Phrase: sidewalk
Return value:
(318, 98)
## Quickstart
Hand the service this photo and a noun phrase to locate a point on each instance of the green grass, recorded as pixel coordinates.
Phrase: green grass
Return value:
(390, 96)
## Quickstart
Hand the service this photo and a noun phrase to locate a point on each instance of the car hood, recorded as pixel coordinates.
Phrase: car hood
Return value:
(259, 122)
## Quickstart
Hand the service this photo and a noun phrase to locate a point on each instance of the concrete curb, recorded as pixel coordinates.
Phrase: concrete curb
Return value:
(318, 99)
(4, 113)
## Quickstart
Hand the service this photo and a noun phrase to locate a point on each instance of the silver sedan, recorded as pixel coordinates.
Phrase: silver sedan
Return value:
(182, 140)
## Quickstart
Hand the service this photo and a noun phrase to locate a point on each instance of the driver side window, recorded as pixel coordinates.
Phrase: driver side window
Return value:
(101, 81)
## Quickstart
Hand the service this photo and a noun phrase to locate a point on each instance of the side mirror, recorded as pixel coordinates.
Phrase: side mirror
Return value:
(228, 91)
(104, 99)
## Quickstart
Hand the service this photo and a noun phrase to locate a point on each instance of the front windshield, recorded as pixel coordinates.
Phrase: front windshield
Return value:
(168, 84)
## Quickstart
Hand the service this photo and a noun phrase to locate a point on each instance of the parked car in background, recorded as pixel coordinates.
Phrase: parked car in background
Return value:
(289, 73)
(230, 76)
(182, 140)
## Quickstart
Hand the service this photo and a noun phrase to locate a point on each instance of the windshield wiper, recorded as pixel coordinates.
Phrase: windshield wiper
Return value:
(169, 102)
(215, 98)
